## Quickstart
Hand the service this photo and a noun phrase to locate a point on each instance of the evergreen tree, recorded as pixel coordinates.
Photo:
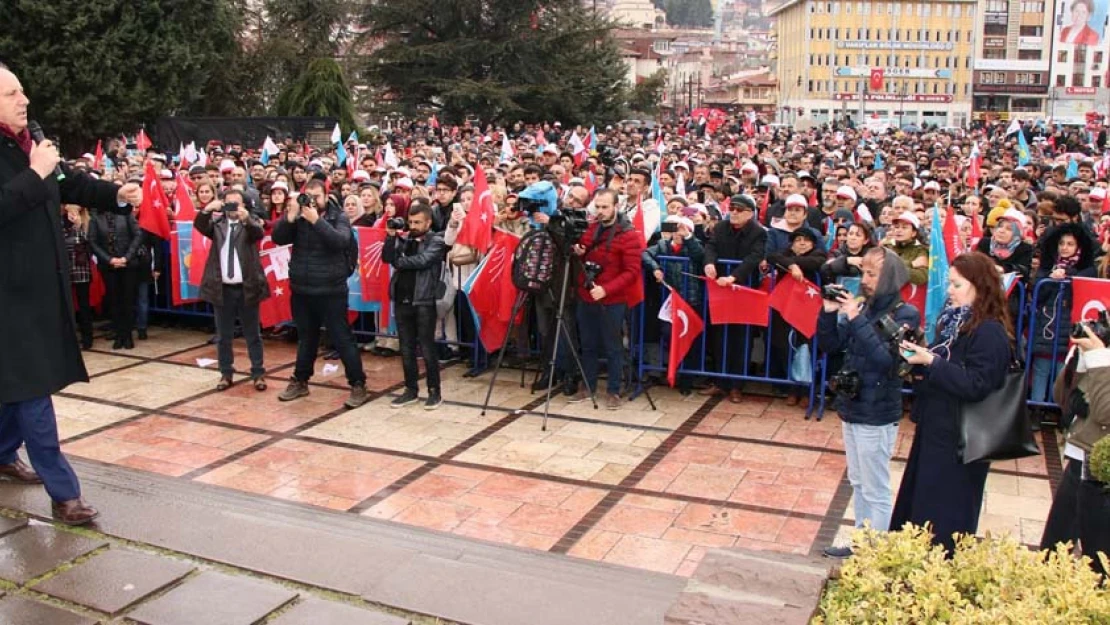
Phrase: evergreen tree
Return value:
(95, 69)
(646, 94)
(694, 13)
(321, 91)
(499, 59)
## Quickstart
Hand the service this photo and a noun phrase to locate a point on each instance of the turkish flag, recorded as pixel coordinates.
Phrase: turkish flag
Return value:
(877, 78)
(638, 218)
(953, 247)
(736, 304)
(477, 227)
(372, 271)
(493, 293)
(278, 308)
(799, 303)
(98, 157)
(914, 295)
(686, 325)
(1089, 297)
(97, 290)
(142, 142)
(152, 212)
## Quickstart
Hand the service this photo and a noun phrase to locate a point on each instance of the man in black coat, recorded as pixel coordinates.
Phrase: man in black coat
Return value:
(40, 355)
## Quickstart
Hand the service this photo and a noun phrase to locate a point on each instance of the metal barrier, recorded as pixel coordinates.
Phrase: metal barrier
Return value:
(1042, 366)
(770, 371)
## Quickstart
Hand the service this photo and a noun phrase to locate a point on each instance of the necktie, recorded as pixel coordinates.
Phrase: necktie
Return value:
(231, 250)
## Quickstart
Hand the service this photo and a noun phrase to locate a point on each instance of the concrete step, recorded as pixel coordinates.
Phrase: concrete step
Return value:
(424, 571)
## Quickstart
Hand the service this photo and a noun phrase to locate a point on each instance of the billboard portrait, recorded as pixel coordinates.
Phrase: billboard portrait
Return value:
(1081, 22)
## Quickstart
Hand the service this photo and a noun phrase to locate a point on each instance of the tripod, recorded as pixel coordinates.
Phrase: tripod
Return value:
(561, 332)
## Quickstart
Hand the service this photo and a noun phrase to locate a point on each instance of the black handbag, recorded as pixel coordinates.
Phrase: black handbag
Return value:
(998, 428)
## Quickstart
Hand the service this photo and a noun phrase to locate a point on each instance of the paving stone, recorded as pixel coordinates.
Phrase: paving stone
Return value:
(214, 598)
(26, 612)
(317, 612)
(113, 580)
(31, 552)
(9, 525)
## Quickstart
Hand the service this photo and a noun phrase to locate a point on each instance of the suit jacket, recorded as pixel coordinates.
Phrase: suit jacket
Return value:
(246, 241)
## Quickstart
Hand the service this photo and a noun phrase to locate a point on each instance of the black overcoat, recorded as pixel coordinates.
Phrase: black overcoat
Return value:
(39, 354)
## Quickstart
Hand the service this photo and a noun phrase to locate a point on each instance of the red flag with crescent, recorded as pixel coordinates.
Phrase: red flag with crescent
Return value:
(686, 325)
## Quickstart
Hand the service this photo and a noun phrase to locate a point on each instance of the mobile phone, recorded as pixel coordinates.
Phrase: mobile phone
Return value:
(668, 227)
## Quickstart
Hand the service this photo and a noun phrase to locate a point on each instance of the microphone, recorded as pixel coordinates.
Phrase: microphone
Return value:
(36, 134)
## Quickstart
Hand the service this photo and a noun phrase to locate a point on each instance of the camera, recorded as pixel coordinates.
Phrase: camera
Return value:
(395, 223)
(1100, 327)
(894, 334)
(668, 227)
(833, 292)
(846, 383)
(304, 200)
(229, 207)
(591, 271)
(608, 155)
(569, 224)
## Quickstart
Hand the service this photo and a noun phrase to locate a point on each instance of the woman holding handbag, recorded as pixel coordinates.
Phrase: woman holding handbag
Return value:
(967, 361)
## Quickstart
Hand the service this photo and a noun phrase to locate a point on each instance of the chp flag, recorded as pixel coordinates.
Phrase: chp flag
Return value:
(278, 308)
(1090, 297)
(686, 326)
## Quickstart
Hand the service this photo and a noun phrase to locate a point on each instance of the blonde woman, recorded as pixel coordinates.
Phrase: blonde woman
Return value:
(75, 230)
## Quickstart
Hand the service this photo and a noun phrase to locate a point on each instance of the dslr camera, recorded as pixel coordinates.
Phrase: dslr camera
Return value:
(1100, 327)
(395, 223)
(833, 292)
(303, 200)
(591, 271)
(894, 334)
(846, 383)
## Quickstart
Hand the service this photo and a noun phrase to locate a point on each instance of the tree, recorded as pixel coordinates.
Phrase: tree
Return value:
(321, 91)
(499, 59)
(95, 69)
(695, 13)
(644, 97)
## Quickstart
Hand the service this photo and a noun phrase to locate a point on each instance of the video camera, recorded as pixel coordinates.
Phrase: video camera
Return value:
(894, 334)
(1100, 327)
(569, 224)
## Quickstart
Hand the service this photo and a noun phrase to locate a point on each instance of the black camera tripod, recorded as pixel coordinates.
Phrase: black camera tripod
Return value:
(561, 332)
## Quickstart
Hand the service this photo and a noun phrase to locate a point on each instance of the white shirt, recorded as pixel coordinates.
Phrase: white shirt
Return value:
(238, 278)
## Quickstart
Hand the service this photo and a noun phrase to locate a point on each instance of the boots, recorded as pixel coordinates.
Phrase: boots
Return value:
(295, 390)
(358, 397)
(73, 512)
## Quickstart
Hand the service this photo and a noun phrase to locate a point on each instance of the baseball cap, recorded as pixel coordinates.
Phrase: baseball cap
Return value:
(909, 218)
(846, 191)
(797, 199)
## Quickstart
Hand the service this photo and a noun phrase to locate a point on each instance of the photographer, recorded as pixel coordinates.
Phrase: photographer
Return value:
(323, 245)
(868, 386)
(1083, 390)
(234, 282)
(678, 240)
(611, 284)
(417, 259)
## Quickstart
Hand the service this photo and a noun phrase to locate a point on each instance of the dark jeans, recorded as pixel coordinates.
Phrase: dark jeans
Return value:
(142, 305)
(309, 313)
(1062, 524)
(1094, 522)
(34, 423)
(84, 312)
(600, 329)
(416, 325)
(547, 319)
(734, 356)
(119, 285)
(235, 307)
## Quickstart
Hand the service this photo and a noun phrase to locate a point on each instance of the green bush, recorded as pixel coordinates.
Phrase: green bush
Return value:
(1099, 460)
(902, 578)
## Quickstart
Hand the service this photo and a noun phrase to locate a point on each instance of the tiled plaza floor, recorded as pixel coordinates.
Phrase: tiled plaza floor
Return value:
(639, 487)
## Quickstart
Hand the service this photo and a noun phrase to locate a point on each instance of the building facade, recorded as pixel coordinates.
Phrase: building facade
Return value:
(907, 62)
(1079, 47)
(1013, 59)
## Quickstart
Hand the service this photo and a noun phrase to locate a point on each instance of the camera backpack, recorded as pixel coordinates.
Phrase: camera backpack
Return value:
(535, 261)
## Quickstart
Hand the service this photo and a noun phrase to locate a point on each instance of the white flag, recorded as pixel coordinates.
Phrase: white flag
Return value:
(336, 135)
(576, 144)
(506, 148)
(389, 157)
(680, 185)
(1015, 126)
(191, 151)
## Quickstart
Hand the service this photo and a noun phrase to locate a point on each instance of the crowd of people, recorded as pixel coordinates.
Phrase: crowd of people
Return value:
(678, 204)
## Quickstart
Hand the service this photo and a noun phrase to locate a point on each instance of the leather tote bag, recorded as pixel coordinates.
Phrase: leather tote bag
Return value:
(998, 428)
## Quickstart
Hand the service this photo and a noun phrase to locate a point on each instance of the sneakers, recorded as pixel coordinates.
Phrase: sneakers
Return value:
(433, 401)
(579, 397)
(408, 397)
(838, 552)
(295, 390)
(613, 401)
(358, 396)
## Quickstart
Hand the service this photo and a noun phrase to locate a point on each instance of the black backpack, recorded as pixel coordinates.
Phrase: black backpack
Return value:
(535, 261)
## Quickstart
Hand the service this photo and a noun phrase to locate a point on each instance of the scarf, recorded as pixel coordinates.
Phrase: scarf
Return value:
(23, 139)
(1068, 263)
(1004, 251)
(948, 328)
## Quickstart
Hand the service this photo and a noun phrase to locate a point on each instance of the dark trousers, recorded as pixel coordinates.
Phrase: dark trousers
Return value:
(309, 313)
(728, 353)
(120, 287)
(142, 305)
(1094, 522)
(547, 318)
(1062, 524)
(232, 308)
(416, 325)
(600, 330)
(84, 312)
(33, 423)
(1080, 513)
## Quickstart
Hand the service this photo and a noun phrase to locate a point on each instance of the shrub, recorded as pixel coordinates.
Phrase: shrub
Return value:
(901, 577)
(1099, 460)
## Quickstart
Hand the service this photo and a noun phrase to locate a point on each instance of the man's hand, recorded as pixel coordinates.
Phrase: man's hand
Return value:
(155, 274)
(849, 306)
(830, 306)
(855, 261)
(711, 272)
(658, 273)
(578, 250)
(796, 271)
(1089, 342)
(293, 212)
(540, 218)
(726, 281)
(598, 292)
(130, 193)
(310, 213)
(118, 262)
(243, 215)
(44, 158)
(213, 206)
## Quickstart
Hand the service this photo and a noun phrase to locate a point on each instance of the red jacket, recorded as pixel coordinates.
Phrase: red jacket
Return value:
(618, 252)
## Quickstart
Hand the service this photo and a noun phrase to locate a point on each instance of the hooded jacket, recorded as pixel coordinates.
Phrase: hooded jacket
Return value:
(1052, 306)
(879, 401)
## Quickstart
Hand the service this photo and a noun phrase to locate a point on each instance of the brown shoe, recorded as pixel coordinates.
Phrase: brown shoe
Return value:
(18, 471)
(791, 401)
(735, 396)
(613, 402)
(711, 391)
(73, 512)
(358, 397)
(295, 390)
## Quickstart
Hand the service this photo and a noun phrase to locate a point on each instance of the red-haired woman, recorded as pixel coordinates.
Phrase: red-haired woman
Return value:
(967, 361)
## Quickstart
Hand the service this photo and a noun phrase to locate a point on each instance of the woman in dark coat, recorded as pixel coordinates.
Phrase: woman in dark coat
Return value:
(847, 258)
(116, 239)
(966, 362)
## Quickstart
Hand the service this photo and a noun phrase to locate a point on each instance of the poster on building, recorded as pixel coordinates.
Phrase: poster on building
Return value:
(1081, 22)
